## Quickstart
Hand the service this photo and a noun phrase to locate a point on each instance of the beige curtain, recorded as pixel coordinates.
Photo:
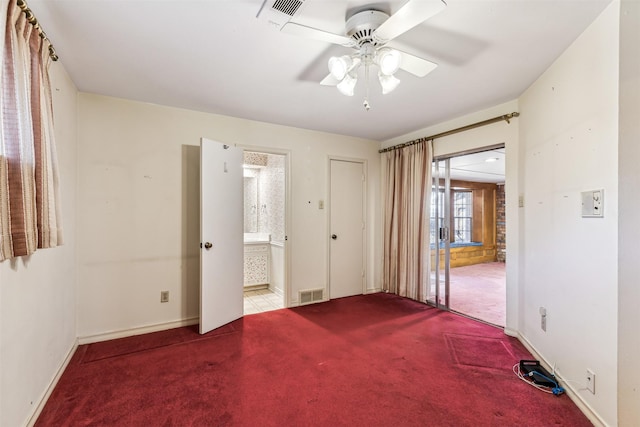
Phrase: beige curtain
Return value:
(29, 201)
(407, 194)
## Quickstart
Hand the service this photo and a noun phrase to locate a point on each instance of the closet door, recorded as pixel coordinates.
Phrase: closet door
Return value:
(347, 225)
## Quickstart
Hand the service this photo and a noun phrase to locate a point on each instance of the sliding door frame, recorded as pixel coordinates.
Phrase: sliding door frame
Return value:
(442, 230)
(441, 233)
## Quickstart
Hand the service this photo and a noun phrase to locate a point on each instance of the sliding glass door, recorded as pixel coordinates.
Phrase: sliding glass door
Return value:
(440, 242)
(466, 274)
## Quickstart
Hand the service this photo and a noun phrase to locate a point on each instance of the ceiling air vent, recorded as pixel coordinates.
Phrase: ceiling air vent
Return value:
(279, 12)
(287, 6)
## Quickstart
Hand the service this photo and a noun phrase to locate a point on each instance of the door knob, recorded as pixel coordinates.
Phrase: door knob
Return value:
(207, 245)
(334, 237)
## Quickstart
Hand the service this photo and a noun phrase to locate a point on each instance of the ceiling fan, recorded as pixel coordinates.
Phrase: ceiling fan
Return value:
(370, 32)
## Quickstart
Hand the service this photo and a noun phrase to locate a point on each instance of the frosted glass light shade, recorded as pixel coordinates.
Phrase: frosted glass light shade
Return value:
(388, 83)
(339, 66)
(388, 61)
(347, 85)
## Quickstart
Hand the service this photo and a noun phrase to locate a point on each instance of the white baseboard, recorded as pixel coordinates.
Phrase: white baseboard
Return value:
(89, 339)
(570, 391)
(296, 303)
(278, 291)
(97, 338)
(511, 332)
(52, 385)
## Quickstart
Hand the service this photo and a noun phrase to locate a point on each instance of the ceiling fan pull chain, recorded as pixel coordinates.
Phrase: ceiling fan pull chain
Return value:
(366, 104)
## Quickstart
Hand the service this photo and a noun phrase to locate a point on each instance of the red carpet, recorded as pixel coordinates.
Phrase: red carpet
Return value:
(375, 360)
(123, 346)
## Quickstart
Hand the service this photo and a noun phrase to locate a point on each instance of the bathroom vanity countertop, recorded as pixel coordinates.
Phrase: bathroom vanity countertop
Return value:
(256, 238)
(256, 242)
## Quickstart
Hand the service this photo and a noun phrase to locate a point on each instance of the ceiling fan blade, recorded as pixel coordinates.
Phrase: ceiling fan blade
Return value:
(415, 65)
(413, 12)
(329, 81)
(314, 33)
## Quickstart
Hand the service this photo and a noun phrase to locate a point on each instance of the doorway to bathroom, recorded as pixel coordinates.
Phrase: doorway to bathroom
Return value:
(265, 206)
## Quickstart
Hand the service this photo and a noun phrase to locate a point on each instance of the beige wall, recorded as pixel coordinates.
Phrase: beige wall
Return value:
(139, 200)
(38, 293)
(629, 226)
(569, 142)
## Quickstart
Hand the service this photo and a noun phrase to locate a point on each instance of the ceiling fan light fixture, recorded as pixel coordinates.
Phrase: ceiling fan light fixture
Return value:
(388, 60)
(347, 85)
(339, 66)
(388, 83)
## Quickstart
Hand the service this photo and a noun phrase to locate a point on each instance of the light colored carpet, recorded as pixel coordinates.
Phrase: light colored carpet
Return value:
(479, 291)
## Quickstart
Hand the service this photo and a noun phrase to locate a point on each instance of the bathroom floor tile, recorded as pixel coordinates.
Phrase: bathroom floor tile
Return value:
(260, 300)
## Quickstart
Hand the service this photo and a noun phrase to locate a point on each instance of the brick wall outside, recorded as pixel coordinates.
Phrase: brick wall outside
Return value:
(501, 225)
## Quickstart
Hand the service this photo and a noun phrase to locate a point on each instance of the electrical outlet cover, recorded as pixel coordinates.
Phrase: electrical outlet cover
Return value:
(164, 296)
(591, 381)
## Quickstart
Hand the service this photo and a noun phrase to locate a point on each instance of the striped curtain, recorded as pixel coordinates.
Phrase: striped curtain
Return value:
(407, 192)
(29, 200)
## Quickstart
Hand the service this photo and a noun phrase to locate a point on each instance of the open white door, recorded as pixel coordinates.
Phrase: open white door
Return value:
(221, 238)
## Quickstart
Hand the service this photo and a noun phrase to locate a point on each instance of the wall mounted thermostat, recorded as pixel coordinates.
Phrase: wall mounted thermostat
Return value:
(593, 204)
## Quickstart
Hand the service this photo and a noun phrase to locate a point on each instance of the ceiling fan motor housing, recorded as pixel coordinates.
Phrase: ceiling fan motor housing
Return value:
(360, 27)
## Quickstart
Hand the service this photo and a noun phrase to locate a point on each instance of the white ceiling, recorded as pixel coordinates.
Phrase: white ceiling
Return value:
(215, 56)
(486, 166)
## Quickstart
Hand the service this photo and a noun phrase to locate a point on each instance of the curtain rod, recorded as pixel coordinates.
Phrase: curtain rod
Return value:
(31, 18)
(505, 117)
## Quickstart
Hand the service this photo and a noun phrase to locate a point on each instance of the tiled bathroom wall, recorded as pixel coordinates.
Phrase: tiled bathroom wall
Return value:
(264, 194)
(271, 196)
(251, 200)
